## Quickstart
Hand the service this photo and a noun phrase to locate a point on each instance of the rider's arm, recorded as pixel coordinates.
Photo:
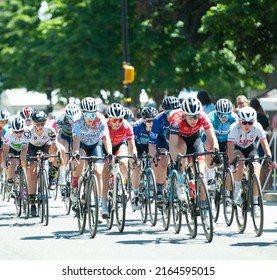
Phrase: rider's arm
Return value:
(107, 144)
(132, 147)
(211, 139)
(76, 144)
(6, 149)
(173, 141)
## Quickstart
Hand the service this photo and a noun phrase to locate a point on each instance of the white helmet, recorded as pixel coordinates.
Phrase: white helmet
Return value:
(116, 111)
(17, 123)
(72, 110)
(192, 106)
(224, 106)
(4, 115)
(88, 104)
(247, 114)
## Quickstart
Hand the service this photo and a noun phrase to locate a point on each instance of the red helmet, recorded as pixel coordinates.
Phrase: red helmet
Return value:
(26, 113)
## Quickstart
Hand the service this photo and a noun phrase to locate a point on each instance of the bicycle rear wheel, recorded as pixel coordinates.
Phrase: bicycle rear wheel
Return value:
(24, 194)
(205, 208)
(176, 203)
(228, 208)
(81, 205)
(110, 202)
(143, 198)
(151, 195)
(120, 202)
(257, 215)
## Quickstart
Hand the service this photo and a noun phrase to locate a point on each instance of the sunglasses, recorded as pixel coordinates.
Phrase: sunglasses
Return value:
(40, 124)
(89, 115)
(245, 123)
(116, 120)
(192, 117)
(221, 115)
(18, 132)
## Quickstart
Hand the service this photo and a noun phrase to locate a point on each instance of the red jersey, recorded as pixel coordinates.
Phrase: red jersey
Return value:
(179, 125)
(125, 131)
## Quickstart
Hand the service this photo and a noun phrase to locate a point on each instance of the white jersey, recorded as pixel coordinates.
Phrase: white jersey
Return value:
(48, 135)
(91, 135)
(243, 139)
(13, 141)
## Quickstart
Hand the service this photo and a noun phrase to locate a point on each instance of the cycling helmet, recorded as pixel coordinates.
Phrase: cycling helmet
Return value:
(39, 116)
(17, 123)
(149, 112)
(116, 111)
(171, 103)
(88, 104)
(128, 113)
(26, 113)
(4, 115)
(247, 114)
(72, 110)
(224, 106)
(192, 106)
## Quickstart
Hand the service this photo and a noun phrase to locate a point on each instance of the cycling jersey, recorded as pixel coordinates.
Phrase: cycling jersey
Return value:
(48, 135)
(221, 129)
(64, 125)
(124, 131)
(13, 141)
(179, 125)
(160, 129)
(141, 136)
(91, 135)
(243, 139)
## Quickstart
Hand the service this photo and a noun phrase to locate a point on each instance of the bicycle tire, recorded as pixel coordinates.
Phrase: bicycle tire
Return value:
(92, 205)
(81, 205)
(120, 202)
(65, 191)
(17, 196)
(24, 194)
(228, 179)
(129, 184)
(143, 199)
(151, 195)
(110, 202)
(205, 208)
(258, 220)
(175, 203)
(189, 209)
(215, 196)
(165, 208)
(44, 197)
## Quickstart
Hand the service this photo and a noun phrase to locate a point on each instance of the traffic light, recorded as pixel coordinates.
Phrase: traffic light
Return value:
(129, 74)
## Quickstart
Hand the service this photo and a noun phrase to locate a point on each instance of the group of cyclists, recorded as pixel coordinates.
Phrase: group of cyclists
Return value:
(181, 127)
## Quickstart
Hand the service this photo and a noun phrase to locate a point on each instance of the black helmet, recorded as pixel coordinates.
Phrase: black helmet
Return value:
(39, 116)
(171, 103)
(128, 113)
(149, 113)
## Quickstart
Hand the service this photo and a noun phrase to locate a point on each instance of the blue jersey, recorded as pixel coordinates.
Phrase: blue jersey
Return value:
(160, 129)
(142, 136)
(221, 129)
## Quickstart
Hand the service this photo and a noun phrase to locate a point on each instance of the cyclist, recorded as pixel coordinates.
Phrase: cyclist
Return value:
(123, 143)
(26, 114)
(142, 128)
(159, 137)
(41, 137)
(241, 142)
(14, 144)
(64, 128)
(185, 138)
(221, 118)
(129, 115)
(4, 118)
(90, 133)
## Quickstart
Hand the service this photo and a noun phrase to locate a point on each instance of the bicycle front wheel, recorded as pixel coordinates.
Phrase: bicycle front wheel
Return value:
(81, 204)
(228, 196)
(65, 190)
(24, 194)
(257, 207)
(205, 208)
(151, 195)
(120, 202)
(110, 202)
(16, 193)
(43, 197)
(176, 203)
(143, 198)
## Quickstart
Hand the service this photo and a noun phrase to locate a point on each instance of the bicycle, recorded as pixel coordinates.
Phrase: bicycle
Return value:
(87, 205)
(116, 195)
(249, 180)
(3, 185)
(20, 190)
(223, 181)
(148, 191)
(42, 185)
(197, 202)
